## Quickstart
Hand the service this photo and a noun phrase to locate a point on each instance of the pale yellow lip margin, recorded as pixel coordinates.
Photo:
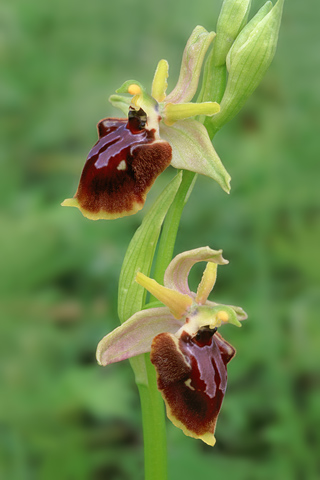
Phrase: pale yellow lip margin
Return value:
(207, 437)
(73, 202)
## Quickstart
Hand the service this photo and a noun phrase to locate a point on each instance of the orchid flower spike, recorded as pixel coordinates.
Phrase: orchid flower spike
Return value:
(158, 130)
(189, 355)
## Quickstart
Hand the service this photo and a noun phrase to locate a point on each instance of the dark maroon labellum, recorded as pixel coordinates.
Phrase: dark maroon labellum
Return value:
(122, 166)
(192, 377)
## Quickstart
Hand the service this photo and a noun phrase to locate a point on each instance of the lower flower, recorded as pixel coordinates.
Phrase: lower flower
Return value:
(189, 355)
(192, 378)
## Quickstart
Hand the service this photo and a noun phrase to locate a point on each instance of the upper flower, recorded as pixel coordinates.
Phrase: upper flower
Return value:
(189, 355)
(158, 130)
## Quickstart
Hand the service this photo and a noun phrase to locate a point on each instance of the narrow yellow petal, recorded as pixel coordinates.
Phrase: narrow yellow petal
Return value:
(159, 84)
(207, 283)
(178, 111)
(177, 302)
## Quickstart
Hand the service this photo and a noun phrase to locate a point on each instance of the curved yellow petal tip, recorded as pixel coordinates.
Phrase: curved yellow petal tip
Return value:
(134, 89)
(177, 302)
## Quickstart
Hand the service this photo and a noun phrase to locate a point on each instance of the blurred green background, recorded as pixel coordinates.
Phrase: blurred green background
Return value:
(61, 415)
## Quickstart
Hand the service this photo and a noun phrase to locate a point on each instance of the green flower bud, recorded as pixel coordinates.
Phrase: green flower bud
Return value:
(232, 18)
(247, 61)
(245, 33)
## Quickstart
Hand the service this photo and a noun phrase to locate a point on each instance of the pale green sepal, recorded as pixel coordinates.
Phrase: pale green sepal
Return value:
(139, 255)
(121, 102)
(135, 335)
(176, 276)
(191, 65)
(248, 61)
(125, 86)
(192, 150)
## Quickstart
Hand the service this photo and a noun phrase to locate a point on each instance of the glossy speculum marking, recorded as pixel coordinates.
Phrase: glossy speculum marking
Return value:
(192, 376)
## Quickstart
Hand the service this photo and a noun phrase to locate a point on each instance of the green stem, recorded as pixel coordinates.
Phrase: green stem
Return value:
(154, 429)
(153, 416)
(214, 82)
(171, 225)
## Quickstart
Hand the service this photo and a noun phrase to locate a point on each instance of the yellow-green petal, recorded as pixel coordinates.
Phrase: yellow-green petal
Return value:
(207, 283)
(177, 302)
(159, 84)
(179, 111)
